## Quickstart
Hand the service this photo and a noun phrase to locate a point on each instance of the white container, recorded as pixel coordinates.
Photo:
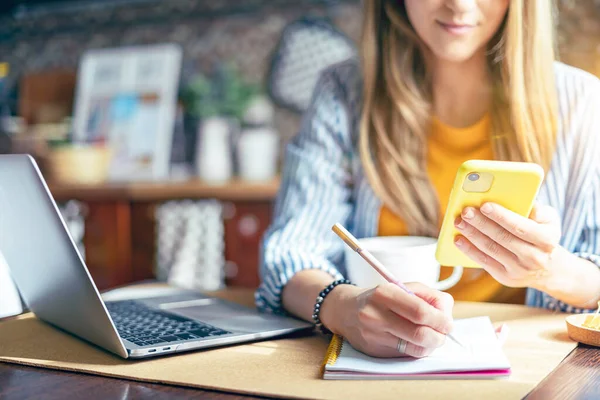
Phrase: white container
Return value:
(10, 302)
(213, 152)
(260, 112)
(258, 153)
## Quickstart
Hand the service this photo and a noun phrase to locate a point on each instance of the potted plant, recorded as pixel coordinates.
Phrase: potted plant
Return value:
(216, 103)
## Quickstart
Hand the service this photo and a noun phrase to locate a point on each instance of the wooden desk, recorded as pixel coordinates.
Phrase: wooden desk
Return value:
(577, 377)
(120, 232)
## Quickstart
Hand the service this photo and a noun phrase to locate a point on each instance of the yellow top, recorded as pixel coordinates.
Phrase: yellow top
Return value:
(447, 149)
(3, 70)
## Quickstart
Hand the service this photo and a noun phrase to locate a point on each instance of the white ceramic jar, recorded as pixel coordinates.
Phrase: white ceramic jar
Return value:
(258, 153)
(213, 152)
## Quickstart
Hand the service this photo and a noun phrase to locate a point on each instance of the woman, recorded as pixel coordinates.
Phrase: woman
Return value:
(441, 81)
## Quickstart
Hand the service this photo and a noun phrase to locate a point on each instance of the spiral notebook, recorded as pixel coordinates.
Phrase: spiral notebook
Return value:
(482, 357)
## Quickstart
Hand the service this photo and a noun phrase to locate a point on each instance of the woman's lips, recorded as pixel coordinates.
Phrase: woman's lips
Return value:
(456, 29)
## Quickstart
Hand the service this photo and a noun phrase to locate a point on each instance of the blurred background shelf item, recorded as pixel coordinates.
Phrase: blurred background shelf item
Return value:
(87, 165)
(47, 96)
(120, 239)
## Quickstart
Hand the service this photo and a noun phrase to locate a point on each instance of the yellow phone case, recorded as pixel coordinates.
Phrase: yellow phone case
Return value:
(514, 185)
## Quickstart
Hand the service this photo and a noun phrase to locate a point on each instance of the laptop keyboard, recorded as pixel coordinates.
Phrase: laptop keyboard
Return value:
(145, 326)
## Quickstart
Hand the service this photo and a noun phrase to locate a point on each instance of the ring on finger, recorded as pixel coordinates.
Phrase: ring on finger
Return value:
(402, 346)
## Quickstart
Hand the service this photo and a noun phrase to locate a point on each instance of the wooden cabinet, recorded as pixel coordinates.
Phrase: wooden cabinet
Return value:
(143, 240)
(245, 224)
(120, 226)
(107, 242)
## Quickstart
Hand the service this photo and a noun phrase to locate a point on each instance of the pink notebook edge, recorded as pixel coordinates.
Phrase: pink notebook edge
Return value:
(456, 374)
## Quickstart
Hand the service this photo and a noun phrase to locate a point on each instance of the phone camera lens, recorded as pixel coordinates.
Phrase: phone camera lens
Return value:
(473, 177)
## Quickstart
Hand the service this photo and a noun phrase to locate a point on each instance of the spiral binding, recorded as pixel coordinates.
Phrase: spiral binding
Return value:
(333, 351)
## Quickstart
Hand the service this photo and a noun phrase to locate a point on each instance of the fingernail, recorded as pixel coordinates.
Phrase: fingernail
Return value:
(459, 241)
(469, 213)
(486, 208)
(542, 215)
(460, 224)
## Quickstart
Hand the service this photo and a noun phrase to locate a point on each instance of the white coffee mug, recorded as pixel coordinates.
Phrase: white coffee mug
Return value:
(408, 258)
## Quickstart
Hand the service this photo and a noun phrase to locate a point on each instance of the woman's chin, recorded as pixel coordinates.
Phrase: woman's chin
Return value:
(456, 56)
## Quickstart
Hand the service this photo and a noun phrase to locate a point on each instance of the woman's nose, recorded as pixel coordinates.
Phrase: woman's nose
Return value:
(461, 6)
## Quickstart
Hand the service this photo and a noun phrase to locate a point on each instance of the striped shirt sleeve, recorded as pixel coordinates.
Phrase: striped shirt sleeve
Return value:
(587, 170)
(589, 246)
(315, 193)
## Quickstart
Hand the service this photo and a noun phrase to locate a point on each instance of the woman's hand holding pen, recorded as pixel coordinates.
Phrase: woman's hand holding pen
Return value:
(375, 320)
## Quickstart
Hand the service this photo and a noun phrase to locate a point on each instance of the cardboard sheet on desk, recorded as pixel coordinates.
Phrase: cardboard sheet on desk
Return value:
(291, 367)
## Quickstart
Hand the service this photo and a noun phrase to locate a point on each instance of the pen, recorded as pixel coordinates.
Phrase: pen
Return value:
(351, 241)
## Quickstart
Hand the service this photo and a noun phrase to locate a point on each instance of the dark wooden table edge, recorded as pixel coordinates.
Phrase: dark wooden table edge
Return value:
(157, 387)
(565, 381)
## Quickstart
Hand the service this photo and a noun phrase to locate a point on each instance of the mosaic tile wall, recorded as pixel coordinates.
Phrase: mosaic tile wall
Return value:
(243, 31)
(207, 30)
(579, 34)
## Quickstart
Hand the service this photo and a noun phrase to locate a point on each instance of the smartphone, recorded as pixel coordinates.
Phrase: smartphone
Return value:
(513, 185)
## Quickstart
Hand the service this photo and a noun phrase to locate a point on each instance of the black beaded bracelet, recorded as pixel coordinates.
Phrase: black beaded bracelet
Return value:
(317, 309)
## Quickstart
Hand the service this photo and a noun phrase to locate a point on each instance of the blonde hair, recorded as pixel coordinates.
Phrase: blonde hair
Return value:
(396, 112)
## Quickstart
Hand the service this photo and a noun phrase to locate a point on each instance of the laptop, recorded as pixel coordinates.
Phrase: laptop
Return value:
(57, 287)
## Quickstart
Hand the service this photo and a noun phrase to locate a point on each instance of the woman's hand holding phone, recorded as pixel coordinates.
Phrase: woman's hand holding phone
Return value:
(517, 251)
(492, 222)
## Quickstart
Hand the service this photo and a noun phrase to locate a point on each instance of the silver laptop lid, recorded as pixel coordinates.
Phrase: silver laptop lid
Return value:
(43, 259)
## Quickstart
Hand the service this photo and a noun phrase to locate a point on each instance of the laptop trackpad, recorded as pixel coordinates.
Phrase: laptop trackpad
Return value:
(232, 319)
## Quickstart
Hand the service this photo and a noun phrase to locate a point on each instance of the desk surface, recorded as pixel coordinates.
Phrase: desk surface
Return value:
(577, 377)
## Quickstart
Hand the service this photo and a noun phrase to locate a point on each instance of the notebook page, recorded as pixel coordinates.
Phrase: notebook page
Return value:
(482, 352)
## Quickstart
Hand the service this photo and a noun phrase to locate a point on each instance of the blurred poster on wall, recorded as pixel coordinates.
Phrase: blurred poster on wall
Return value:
(127, 99)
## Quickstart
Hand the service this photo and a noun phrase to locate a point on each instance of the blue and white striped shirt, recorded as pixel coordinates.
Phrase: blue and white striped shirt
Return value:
(323, 183)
